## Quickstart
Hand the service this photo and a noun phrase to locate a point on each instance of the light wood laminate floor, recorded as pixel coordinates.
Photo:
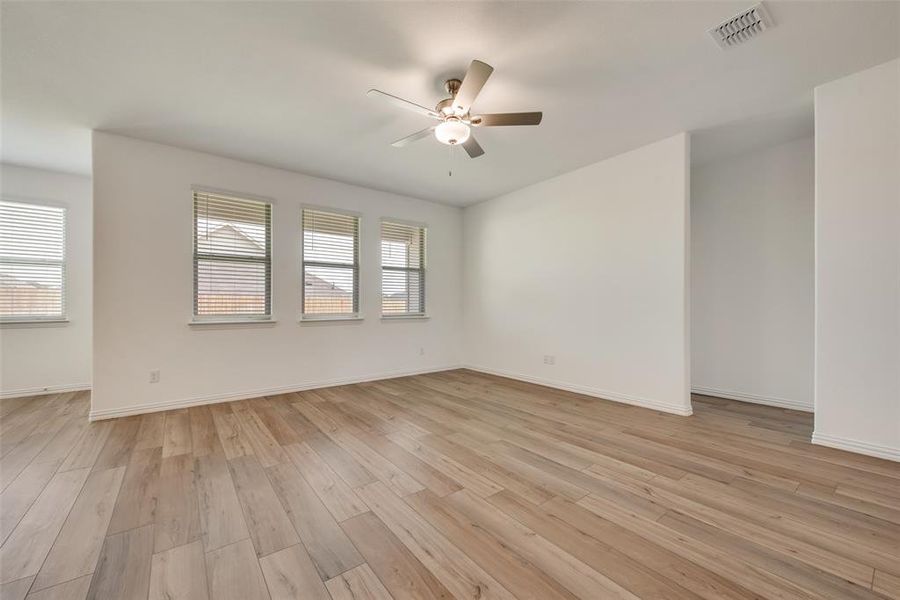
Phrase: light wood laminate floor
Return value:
(447, 485)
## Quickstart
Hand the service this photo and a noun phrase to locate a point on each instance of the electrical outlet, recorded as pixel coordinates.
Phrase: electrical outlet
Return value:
(154, 376)
(421, 351)
(549, 359)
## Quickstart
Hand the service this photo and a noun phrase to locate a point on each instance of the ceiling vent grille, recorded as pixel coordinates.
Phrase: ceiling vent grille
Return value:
(741, 27)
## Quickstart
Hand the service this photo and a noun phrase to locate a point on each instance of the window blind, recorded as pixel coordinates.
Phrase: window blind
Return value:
(32, 262)
(402, 269)
(232, 257)
(330, 263)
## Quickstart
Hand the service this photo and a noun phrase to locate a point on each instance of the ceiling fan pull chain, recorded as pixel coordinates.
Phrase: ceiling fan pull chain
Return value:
(450, 161)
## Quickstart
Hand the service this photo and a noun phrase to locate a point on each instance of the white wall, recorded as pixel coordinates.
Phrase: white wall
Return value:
(52, 357)
(857, 381)
(143, 286)
(752, 276)
(590, 267)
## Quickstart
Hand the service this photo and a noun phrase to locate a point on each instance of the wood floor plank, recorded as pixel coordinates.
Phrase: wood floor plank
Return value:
(421, 471)
(456, 571)
(886, 584)
(271, 416)
(179, 573)
(818, 582)
(63, 441)
(767, 584)
(177, 438)
(78, 544)
(123, 571)
(579, 578)
(138, 497)
(383, 469)
(330, 549)
(291, 575)
(265, 446)
(570, 526)
(15, 590)
(27, 546)
(269, 526)
(334, 493)
(177, 517)
(152, 433)
(233, 573)
(19, 495)
(231, 436)
(221, 517)
(204, 438)
(119, 444)
(76, 589)
(453, 469)
(339, 460)
(357, 584)
(515, 572)
(89, 446)
(15, 461)
(401, 572)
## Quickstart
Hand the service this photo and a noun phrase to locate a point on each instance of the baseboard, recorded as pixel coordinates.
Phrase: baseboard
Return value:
(841, 443)
(754, 398)
(140, 409)
(43, 391)
(588, 391)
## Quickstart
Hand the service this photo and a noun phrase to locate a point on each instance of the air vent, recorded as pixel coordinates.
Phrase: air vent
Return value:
(741, 27)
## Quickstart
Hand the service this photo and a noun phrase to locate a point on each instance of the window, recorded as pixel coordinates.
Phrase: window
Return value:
(330, 264)
(232, 258)
(402, 269)
(32, 262)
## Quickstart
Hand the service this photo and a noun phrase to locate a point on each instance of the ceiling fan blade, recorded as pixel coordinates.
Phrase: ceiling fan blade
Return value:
(475, 78)
(473, 148)
(413, 137)
(402, 103)
(502, 119)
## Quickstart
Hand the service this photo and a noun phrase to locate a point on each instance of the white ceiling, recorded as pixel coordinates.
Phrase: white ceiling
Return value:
(284, 83)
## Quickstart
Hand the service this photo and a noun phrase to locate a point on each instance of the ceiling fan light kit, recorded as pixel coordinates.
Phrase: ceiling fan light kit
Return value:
(452, 131)
(456, 122)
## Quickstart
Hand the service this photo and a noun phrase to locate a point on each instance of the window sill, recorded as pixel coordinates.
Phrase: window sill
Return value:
(25, 323)
(330, 319)
(405, 318)
(232, 323)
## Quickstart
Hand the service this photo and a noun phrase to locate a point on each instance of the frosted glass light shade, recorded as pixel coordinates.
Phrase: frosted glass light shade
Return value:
(452, 132)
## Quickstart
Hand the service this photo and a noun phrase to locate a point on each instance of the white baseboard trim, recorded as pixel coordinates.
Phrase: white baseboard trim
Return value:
(43, 391)
(140, 409)
(842, 443)
(588, 391)
(754, 398)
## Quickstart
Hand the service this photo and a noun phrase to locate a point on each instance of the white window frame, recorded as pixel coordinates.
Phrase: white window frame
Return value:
(423, 314)
(62, 317)
(236, 318)
(356, 315)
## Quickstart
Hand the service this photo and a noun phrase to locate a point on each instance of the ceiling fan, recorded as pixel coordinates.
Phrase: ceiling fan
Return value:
(454, 114)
